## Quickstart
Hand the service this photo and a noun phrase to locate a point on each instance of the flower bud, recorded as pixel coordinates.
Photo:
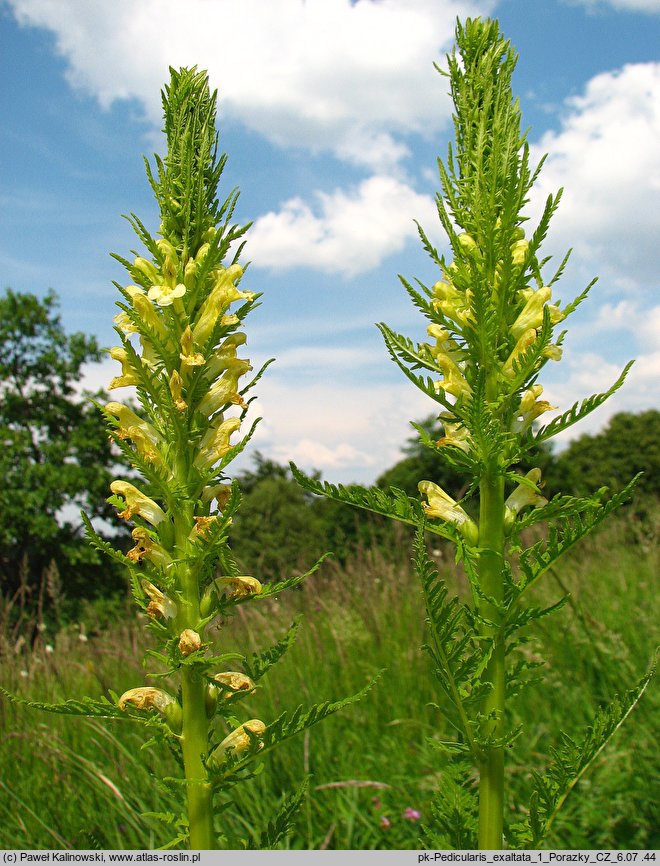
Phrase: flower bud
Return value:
(237, 742)
(234, 682)
(239, 587)
(146, 698)
(189, 642)
(147, 269)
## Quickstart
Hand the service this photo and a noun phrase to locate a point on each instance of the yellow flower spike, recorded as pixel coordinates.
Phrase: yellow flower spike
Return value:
(225, 390)
(137, 503)
(233, 683)
(238, 741)
(165, 295)
(160, 605)
(443, 507)
(526, 493)
(176, 384)
(530, 408)
(526, 340)
(188, 356)
(146, 698)
(189, 642)
(215, 443)
(128, 377)
(239, 587)
(147, 548)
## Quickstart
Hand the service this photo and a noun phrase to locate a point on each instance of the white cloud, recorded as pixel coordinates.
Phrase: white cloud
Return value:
(606, 157)
(323, 74)
(347, 233)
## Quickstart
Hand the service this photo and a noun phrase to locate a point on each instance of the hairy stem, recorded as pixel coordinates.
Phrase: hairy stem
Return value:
(491, 767)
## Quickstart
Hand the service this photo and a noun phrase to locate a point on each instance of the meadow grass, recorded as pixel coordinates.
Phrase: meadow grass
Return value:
(84, 784)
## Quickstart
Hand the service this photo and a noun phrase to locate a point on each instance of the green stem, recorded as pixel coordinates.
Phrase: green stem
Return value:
(195, 729)
(194, 745)
(491, 766)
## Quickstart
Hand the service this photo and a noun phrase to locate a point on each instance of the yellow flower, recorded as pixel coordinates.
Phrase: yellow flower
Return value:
(128, 376)
(233, 683)
(238, 741)
(215, 443)
(137, 503)
(456, 434)
(145, 309)
(188, 355)
(239, 587)
(225, 390)
(223, 293)
(525, 341)
(131, 426)
(176, 385)
(146, 547)
(442, 506)
(160, 605)
(530, 408)
(165, 295)
(526, 493)
(531, 315)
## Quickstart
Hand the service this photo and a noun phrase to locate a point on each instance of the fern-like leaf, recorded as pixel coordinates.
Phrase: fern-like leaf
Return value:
(394, 503)
(579, 410)
(570, 761)
(282, 824)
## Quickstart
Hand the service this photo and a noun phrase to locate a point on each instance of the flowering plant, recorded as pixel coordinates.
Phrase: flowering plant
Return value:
(492, 329)
(180, 329)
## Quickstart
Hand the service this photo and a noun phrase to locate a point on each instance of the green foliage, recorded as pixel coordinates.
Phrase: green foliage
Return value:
(371, 761)
(180, 328)
(492, 328)
(628, 445)
(56, 457)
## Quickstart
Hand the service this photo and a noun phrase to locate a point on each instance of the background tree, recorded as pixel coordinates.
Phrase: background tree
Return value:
(56, 458)
(627, 445)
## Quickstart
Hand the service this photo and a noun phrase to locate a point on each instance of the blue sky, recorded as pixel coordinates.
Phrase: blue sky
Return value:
(332, 116)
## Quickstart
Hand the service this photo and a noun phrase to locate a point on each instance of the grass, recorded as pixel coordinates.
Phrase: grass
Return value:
(82, 784)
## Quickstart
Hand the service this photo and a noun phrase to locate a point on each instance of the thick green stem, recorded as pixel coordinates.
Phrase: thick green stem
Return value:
(491, 767)
(194, 734)
(194, 745)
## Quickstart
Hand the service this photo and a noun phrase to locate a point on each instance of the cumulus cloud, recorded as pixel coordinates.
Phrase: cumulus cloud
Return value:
(605, 155)
(323, 74)
(347, 232)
